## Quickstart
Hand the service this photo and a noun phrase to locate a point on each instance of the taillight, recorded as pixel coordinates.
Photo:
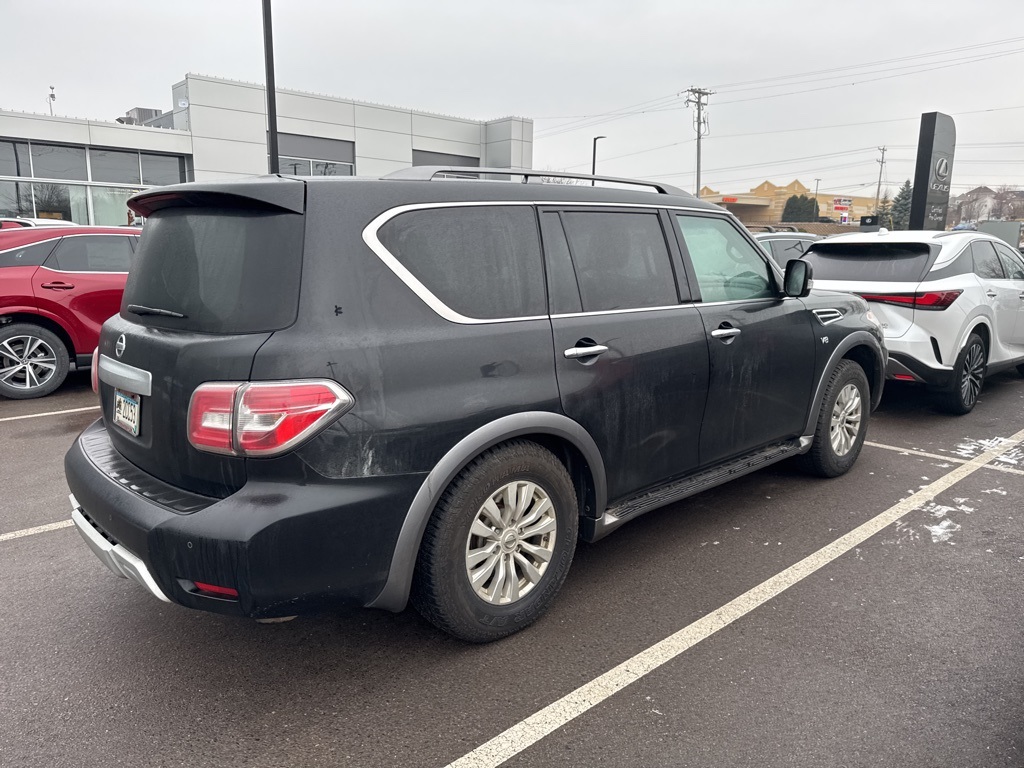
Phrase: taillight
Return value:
(211, 418)
(95, 371)
(932, 300)
(262, 418)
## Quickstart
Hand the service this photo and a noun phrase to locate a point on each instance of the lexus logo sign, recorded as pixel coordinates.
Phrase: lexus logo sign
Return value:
(942, 169)
(119, 346)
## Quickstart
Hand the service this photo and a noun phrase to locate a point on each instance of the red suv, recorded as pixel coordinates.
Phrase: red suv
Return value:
(57, 286)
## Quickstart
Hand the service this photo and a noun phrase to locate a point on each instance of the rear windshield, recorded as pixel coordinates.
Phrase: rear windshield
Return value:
(875, 262)
(225, 270)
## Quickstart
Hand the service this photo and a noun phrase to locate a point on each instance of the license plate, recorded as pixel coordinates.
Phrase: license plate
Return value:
(126, 411)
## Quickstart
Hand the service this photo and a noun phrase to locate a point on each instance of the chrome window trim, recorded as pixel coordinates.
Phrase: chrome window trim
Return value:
(79, 271)
(439, 307)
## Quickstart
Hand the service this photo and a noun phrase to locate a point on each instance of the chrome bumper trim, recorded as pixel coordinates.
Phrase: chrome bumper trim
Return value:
(118, 559)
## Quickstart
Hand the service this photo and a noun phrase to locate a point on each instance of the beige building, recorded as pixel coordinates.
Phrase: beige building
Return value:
(765, 203)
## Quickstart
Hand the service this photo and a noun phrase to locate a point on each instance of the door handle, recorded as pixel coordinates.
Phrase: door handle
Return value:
(725, 333)
(575, 353)
(59, 286)
(991, 294)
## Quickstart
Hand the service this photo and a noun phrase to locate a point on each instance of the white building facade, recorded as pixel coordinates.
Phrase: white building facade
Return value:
(85, 170)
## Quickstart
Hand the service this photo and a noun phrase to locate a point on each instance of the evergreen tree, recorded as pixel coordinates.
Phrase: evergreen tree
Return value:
(800, 208)
(884, 211)
(901, 206)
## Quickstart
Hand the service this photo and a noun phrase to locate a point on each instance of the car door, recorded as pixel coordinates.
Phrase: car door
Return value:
(999, 292)
(761, 345)
(82, 282)
(630, 349)
(1013, 267)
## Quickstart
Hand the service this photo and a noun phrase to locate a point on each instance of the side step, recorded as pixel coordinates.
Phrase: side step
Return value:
(592, 530)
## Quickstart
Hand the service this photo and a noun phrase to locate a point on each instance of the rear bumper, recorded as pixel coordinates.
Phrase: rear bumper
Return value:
(902, 365)
(286, 545)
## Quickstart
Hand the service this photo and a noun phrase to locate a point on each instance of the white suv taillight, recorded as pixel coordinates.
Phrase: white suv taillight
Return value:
(263, 418)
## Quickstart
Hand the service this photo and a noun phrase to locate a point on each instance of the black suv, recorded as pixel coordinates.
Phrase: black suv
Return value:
(331, 391)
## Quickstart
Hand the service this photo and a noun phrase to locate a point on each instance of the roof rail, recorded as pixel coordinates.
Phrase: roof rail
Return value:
(430, 172)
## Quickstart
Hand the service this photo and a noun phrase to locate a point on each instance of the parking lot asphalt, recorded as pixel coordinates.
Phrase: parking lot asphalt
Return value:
(903, 650)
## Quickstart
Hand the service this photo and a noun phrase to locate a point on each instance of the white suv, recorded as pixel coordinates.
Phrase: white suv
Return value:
(951, 304)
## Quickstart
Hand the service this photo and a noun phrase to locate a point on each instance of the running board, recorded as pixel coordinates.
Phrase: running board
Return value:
(593, 530)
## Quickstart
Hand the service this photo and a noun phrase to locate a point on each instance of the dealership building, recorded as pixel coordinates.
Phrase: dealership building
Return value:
(85, 170)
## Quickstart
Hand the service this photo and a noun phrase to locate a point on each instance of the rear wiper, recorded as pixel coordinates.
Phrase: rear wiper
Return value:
(138, 309)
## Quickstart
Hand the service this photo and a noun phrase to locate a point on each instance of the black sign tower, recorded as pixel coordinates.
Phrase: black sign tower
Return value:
(935, 147)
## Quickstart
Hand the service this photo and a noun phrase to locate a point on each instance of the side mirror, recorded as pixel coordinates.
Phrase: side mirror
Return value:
(797, 282)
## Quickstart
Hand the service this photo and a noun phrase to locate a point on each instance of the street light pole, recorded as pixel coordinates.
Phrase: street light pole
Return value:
(268, 53)
(593, 159)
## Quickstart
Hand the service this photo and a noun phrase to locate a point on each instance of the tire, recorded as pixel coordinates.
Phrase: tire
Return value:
(968, 377)
(1020, 369)
(33, 361)
(455, 545)
(842, 422)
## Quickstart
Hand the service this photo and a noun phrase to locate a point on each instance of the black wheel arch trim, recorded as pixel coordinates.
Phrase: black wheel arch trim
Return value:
(395, 594)
(876, 377)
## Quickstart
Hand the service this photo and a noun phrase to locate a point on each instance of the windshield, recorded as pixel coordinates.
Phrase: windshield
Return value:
(216, 271)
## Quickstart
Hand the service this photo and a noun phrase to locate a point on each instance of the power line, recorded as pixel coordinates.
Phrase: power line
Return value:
(874, 79)
(931, 54)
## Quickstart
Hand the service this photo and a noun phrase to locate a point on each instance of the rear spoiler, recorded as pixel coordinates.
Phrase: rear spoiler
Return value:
(268, 193)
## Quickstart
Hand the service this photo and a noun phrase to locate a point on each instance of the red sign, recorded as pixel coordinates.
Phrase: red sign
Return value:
(730, 199)
(840, 207)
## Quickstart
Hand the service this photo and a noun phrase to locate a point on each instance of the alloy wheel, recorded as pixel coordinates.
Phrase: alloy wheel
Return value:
(511, 542)
(26, 362)
(846, 418)
(972, 375)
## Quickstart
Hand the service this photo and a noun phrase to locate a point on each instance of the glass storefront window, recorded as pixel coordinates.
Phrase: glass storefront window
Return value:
(50, 161)
(14, 159)
(331, 169)
(61, 201)
(111, 165)
(162, 169)
(110, 205)
(15, 199)
(295, 166)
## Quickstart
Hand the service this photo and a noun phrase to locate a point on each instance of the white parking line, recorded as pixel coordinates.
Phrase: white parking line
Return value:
(527, 732)
(37, 529)
(950, 459)
(50, 413)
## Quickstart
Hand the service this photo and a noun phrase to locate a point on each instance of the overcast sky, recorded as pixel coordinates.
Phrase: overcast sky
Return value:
(559, 61)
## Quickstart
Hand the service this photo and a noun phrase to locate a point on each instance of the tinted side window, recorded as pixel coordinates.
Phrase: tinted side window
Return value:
(27, 255)
(986, 263)
(484, 262)
(1013, 264)
(621, 259)
(787, 250)
(94, 253)
(728, 268)
(563, 293)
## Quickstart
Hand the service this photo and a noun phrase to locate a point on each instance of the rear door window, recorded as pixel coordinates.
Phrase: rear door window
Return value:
(483, 262)
(986, 263)
(27, 255)
(1013, 264)
(226, 270)
(870, 262)
(622, 260)
(787, 250)
(93, 253)
(728, 267)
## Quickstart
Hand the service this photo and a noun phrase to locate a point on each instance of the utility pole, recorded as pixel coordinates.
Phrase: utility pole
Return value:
(50, 99)
(881, 167)
(698, 97)
(268, 54)
(816, 182)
